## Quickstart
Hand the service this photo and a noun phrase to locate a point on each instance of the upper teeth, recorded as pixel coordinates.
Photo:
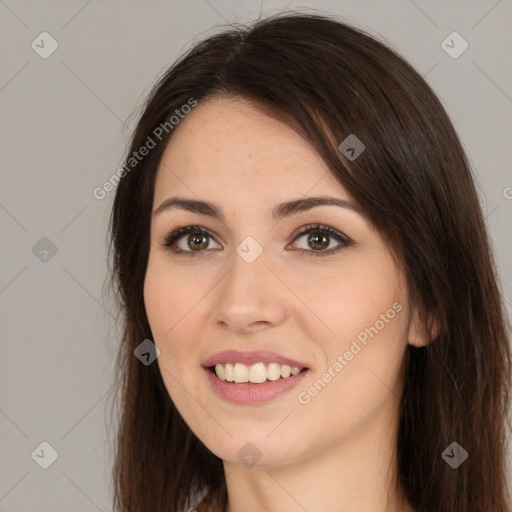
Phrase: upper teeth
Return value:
(256, 373)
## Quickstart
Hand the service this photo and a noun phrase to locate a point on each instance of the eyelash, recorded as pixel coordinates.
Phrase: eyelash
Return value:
(173, 237)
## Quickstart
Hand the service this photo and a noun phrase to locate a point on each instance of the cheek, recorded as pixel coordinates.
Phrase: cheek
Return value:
(365, 308)
(167, 297)
(166, 309)
(352, 299)
(361, 367)
(173, 308)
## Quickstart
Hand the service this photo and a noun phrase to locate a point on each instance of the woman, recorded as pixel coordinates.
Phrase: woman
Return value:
(297, 231)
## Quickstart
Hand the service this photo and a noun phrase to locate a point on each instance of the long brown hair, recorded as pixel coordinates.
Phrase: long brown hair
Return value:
(328, 80)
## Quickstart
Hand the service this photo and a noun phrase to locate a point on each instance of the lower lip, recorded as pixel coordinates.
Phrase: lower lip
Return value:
(246, 393)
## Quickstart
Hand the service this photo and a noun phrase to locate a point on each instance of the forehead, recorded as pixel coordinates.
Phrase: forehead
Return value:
(227, 149)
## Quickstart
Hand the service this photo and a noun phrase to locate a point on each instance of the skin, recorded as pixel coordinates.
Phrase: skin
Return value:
(336, 453)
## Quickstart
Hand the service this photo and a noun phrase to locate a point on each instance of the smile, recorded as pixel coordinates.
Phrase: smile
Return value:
(256, 373)
(252, 393)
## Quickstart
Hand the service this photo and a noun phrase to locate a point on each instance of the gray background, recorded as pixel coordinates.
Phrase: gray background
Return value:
(65, 123)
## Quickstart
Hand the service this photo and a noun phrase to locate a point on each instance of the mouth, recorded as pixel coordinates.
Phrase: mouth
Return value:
(252, 377)
(253, 385)
(258, 373)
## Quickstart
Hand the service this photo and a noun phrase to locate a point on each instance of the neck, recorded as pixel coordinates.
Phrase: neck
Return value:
(358, 473)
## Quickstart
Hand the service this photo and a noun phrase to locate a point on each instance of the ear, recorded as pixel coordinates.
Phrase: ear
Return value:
(422, 330)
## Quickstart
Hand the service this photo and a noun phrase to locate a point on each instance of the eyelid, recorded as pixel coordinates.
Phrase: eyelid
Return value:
(315, 226)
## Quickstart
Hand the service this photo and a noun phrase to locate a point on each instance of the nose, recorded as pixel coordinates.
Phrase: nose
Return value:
(250, 298)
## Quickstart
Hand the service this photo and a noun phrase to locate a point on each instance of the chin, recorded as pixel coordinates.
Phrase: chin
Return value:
(253, 449)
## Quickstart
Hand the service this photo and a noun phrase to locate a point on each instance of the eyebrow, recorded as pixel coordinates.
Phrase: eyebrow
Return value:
(279, 212)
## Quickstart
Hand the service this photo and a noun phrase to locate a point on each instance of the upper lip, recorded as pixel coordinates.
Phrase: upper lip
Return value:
(250, 357)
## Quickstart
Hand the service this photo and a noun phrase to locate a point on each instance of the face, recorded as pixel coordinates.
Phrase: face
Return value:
(315, 287)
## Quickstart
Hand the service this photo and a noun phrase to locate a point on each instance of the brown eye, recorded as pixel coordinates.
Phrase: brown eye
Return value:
(318, 242)
(319, 239)
(194, 244)
(197, 242)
